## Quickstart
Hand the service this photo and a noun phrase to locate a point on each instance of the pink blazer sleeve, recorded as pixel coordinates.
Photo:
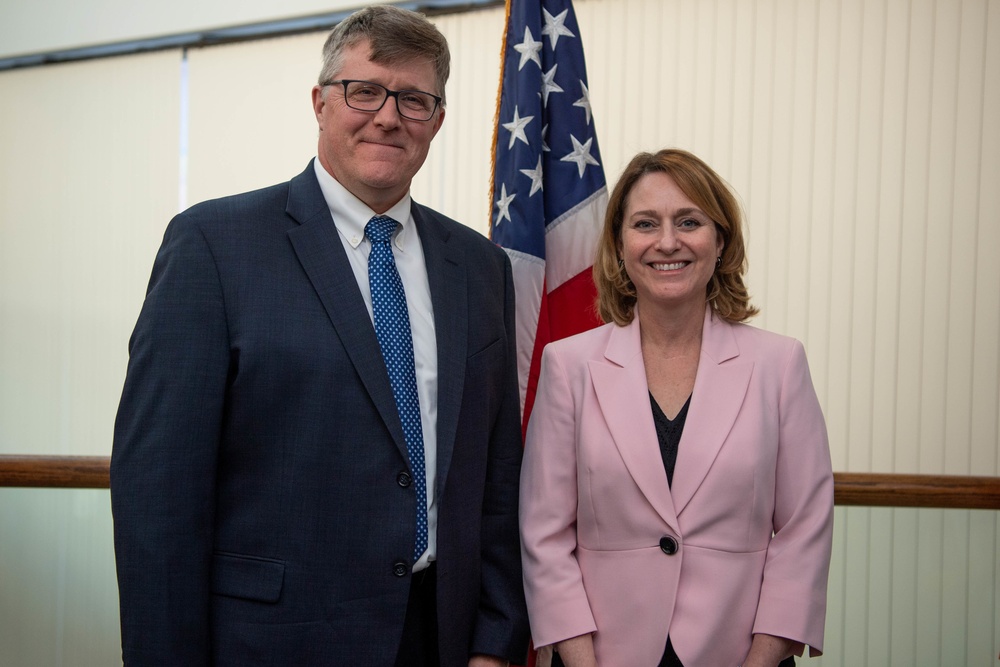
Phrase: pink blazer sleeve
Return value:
(793, 594)
(557, 602)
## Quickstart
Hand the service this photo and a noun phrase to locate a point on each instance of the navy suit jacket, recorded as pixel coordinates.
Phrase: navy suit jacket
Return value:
(262, 514)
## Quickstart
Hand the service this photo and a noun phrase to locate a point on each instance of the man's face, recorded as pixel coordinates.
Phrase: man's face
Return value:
(375, 155)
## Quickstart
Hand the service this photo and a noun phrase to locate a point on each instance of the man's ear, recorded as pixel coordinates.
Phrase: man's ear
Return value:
(318, 102)
(438, 121)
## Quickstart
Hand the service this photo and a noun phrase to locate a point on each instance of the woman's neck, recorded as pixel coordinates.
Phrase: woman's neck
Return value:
(671, 330)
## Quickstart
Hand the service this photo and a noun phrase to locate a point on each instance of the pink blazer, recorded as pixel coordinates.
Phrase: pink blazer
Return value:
(750, 511)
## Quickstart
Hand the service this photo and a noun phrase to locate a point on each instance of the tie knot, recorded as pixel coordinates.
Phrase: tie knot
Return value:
(380, 229)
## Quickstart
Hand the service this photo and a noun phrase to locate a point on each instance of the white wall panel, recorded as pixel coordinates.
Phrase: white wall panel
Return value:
(985, 351)
(912, 588)
(88, 176)
(251, 117)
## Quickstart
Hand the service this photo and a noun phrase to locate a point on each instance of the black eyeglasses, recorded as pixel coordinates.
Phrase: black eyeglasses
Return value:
(370, 97)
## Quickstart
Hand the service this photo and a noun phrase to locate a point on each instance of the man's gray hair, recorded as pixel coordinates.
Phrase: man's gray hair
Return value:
(395, 35)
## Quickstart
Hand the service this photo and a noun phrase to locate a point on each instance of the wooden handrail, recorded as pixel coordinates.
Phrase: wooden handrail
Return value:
(67, 472)
(893, 490)
(850, 488)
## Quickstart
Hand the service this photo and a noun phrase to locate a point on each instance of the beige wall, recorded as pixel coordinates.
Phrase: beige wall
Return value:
(863, 137)
(41, 26)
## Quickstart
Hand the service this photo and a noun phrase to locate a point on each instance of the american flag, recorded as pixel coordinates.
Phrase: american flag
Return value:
(549, 192)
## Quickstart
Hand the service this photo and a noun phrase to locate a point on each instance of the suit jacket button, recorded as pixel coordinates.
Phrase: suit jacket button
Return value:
(399, 569)
(668, 545)
(404, 479)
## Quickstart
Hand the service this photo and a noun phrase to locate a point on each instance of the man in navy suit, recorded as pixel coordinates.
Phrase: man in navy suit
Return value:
(265, 500)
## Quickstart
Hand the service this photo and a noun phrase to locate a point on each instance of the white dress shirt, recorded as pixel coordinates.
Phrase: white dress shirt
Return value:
(350, 215)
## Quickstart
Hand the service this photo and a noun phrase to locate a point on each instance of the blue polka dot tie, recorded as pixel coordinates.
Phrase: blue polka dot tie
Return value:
(392, 327)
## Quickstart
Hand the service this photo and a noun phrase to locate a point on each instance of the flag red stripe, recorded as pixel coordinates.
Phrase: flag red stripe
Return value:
(575, 303)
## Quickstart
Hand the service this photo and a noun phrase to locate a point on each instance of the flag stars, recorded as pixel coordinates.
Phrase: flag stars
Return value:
(555, 27)
(584, 102)
(549, 84)
(555, 95)
(529, 50)
(581, 154)
(503, 204)
(535, 175)
(516, 128)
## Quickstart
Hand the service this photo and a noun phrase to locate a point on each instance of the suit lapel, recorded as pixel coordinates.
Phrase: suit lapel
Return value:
(321, 254)
(446, 275)
(623, 396)
(719, 390)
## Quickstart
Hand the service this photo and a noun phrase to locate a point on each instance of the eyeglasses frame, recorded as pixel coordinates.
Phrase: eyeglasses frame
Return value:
(388, 93)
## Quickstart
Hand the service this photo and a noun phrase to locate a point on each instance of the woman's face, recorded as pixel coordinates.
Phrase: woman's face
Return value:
(668, 244)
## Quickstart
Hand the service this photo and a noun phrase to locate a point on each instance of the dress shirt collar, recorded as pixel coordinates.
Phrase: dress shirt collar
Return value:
(350, 214)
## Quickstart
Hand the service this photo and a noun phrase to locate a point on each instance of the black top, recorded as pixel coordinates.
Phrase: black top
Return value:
(668, 432)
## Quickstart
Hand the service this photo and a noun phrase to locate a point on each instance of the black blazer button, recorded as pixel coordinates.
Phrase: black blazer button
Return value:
(668, 545)
(404, 479)
(399, 569)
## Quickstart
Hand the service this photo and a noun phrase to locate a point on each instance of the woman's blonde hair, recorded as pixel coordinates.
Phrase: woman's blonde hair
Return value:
(726, 291)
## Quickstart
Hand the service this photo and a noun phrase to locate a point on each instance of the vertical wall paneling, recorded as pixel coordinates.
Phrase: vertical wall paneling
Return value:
(755, 190)
(878, 603)
(955, 572)
(688, 54)
(818, 337)
(868, 19)
(463, 145)
(843, 185)
(837, 602)
(800, 148)
(844, 259)
(936, 308)
(886, 219)
(719, 110)
(968, 75)
(992, 566)
(741, 151)
(910, 335)
(906, 582)
(985, 390)
(853, 649)
(929, 586)
(776, 117)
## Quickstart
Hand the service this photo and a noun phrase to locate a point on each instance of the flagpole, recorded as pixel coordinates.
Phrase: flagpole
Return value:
(496, 116)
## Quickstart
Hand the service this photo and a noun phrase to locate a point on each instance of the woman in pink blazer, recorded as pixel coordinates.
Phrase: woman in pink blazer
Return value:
(676, 491)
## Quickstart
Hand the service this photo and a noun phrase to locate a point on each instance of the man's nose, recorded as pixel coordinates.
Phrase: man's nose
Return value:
(388, 115)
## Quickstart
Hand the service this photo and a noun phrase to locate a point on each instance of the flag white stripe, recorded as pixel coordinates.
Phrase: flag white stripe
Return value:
(571, 240)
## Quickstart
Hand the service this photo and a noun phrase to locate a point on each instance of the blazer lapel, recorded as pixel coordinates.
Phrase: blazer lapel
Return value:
(318, 246)
(446, 276)
(719, 390)
(623, 396)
